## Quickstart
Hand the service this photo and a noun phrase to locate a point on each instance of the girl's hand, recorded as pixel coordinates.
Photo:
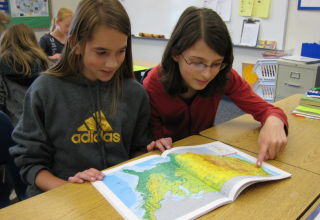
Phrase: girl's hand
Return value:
(272, 139)
(90, 175)
(162, 144)
(55, 57)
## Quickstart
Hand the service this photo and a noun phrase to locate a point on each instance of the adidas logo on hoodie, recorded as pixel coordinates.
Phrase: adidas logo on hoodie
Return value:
(90, 127)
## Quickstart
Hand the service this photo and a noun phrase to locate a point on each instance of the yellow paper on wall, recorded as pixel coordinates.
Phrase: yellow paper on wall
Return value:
(248, 75)
(261, 8)
(245, 7)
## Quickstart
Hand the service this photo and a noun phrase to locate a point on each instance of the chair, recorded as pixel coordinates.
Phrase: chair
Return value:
(145, 74)
(6, 159)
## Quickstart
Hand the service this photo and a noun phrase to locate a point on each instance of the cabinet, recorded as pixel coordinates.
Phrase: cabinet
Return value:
(295, 77)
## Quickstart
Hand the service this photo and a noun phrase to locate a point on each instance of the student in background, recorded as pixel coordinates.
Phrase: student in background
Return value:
(21, 61)
(53, 43)
(8, 171)
(4, 19)
(195, 72)
(87, 112)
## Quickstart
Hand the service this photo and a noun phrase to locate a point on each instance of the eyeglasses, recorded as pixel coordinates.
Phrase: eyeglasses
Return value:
(201, 66)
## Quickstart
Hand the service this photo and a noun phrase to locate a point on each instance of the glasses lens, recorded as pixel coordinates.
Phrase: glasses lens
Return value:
(198, 66)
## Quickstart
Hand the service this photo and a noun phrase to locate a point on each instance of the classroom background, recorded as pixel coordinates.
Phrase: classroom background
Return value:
(302, 27)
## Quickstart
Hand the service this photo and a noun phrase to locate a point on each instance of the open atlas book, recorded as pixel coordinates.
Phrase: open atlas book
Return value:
(184, 182)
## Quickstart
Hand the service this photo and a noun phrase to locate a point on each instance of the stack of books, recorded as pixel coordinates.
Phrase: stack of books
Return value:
(309, 105)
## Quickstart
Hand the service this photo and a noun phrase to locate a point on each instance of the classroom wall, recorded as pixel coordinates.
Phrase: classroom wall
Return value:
(302, 27)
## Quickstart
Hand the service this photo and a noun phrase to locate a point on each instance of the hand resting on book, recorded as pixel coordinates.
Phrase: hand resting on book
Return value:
(162, 144)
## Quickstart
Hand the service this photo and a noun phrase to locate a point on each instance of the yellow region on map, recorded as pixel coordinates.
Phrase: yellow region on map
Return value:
(216, 170)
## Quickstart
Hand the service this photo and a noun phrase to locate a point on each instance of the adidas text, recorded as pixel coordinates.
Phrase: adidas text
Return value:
(90, 137)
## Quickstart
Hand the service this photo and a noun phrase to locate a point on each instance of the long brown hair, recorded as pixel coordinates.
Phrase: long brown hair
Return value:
(88, 17)
(19, 45)
(62, 13)
(197, 24)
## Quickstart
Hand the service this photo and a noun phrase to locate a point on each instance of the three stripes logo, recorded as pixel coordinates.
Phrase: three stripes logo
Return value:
(88, 131)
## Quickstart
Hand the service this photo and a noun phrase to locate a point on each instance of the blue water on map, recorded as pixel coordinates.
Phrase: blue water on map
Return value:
(148, 164)
(121, 189)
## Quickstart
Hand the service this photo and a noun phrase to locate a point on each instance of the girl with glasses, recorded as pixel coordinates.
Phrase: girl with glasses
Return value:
(195, 72)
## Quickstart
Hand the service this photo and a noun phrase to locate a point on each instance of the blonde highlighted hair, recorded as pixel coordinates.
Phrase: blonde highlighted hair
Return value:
(4, 18)
(19, 45)
(62, 14)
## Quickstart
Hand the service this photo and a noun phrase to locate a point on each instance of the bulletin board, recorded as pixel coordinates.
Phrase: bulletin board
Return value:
(309, 5)
(37, 14)
(160, 17)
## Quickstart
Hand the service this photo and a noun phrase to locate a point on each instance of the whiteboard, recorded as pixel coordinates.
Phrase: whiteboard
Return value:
(160, 17)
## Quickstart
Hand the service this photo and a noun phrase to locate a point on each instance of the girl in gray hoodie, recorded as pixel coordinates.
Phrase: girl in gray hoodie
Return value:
(87, 112)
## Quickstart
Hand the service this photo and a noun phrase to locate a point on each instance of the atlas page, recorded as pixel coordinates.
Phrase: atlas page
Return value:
(184, 182)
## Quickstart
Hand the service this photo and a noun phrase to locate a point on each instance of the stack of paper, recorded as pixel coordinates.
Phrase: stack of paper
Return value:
(302, 59)
(309, 105)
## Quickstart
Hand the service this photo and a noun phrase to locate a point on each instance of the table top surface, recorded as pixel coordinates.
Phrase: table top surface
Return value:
(282, 199)
(144, 63)
(302, 149)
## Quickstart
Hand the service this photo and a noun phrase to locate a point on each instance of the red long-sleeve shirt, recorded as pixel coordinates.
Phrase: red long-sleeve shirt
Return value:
(172, 117)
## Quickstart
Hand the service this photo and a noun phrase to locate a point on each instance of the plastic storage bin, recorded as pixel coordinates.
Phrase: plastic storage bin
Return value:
(266, 69)
(276, 54)
(265, 89)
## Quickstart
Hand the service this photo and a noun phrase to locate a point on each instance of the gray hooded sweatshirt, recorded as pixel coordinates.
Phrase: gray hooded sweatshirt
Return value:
(58, 129)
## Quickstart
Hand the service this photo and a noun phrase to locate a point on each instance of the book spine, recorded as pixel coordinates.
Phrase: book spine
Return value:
(310, 99)
(314, 93)
(310, 106)
(309, 103)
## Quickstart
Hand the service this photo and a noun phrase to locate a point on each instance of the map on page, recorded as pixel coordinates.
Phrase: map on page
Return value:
(170, 187)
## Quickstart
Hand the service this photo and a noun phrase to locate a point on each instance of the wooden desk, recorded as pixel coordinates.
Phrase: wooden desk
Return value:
(284, 199)
(302, 149)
